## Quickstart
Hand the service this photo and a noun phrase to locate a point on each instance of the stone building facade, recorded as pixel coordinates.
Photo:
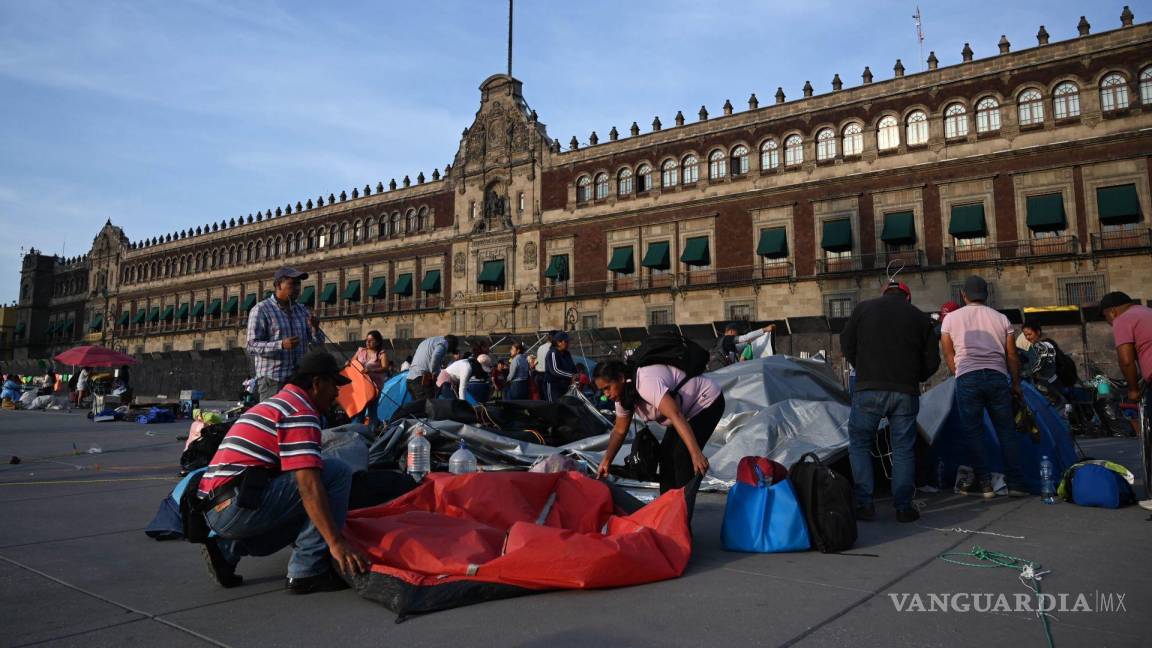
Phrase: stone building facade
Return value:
(1031, 168)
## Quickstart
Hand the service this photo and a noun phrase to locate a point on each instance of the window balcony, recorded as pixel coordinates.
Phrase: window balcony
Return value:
(488, 298)
(1012, 250)
(911, 258)
(1133, 239)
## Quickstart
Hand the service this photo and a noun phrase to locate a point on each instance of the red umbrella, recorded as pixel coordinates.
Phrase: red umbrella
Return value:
(95, 356)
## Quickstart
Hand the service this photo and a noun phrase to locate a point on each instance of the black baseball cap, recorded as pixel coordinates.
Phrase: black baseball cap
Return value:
(1114, 299)
(288, 273)
(320, 363)
(976, 288)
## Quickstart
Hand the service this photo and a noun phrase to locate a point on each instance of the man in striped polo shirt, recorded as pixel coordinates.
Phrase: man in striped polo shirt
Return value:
(268, 487)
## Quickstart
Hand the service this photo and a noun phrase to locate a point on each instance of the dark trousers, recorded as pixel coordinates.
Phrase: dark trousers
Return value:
(675, 460)
(991, 391)
(420, 391)
(518, 390)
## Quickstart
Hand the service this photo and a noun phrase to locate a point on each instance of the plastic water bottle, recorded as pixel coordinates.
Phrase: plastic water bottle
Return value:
(462, 461)
(1047, 485)
(940, 475)
(419, 454)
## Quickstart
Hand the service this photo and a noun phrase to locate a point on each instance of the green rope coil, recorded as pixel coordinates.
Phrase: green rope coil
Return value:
(982, 558)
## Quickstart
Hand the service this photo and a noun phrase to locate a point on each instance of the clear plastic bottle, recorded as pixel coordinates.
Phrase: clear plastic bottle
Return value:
(462, 461)
(1047, 485)
(419, 454)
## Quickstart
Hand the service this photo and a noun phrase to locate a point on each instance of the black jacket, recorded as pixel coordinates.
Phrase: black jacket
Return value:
(891, 344)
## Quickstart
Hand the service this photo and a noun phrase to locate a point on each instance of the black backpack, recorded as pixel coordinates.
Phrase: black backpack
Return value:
(1065, 367)
(825, 496)
(200, 452)
(674, 350)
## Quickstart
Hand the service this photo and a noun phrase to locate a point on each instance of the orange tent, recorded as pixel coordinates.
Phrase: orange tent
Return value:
(359, 393)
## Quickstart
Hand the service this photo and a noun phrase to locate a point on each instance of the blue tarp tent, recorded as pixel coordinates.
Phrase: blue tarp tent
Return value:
(395, 394)
(940, 424)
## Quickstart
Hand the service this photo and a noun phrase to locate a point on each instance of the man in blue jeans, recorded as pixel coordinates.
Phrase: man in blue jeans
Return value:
(892, 346)
(980, 348)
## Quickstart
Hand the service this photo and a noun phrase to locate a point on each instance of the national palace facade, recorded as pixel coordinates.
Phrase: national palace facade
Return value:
(1030, 167)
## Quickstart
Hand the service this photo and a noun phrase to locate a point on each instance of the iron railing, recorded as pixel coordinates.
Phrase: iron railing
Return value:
(1133, 239)
(1013, 250)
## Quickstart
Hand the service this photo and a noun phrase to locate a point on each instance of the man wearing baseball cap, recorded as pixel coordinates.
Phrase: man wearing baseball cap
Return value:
(268, 487)
(280, 332)
(1132, 332)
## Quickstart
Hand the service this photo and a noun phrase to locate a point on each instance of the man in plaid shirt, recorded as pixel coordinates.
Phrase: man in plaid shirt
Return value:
(280, 332)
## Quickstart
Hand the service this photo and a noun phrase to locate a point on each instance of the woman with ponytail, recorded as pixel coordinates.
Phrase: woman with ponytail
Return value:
(689, 413)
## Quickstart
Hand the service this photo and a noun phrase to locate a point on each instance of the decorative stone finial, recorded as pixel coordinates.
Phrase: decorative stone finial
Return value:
(593, 139)
(420, 178)
(319, 201)
(232, 222)
(407, 181)
(436, 174)
(867, 76)
(1083, 26)
(703, 114)
(307, 204)
(555, 146)
(331, 198)
(343, 196)
(1126, 17)
(447, 169)
(635, 129)
(532, 116)
(613, 134)
(1004, 45)
(279, 212)
(573, 144)
(779, 95)
(807, 89)
(898, 69)
(355, 193)
(933, 62)
(379, 187)
(966, 53)
(727, 107)
(837, 84)
(679, 119)
(288, 209)
(753, 102)
(367, 190)
(1042, 36)
(656, 123)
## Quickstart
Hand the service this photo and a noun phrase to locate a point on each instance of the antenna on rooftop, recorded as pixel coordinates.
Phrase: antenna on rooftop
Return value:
(919, 36)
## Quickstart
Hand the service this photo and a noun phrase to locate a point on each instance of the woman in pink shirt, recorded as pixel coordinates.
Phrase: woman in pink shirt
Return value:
(690, 408)
(373, 357)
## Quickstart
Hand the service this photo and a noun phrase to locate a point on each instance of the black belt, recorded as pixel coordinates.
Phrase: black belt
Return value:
(227, 493)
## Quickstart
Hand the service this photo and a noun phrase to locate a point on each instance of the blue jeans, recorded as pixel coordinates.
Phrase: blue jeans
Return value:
(281, 521)
(517, 390)
(868, 408)
(991, 391)
(481, 391)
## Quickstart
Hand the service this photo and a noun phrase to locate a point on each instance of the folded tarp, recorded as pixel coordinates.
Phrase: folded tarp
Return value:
(463, 539)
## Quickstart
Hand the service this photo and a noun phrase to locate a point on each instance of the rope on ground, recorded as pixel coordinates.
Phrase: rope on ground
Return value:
(1028, 572)
(963, 530)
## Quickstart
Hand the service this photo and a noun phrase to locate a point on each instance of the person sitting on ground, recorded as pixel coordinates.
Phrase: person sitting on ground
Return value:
(559, 369)
(13, 389)
(1132, 333)
(47, 384)
(732, 344)
(519, 375)
(425, 365)
(690, 416)
(268, 486)
(471, 376)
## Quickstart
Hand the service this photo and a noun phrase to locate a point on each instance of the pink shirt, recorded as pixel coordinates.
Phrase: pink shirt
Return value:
(978, 334)
(373, 362)
(1135, 327)
(654, 381)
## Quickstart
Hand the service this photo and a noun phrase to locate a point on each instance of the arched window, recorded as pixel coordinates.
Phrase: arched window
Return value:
(987, 115)
(422, 219)
(583, 189)
(769, 155)
(212, 265)
(888, 133)
(310, 240)
(1146, 86)
(231, 257)
(917, 128)
(601, 186)
(410, 221)
(643, 178)
(277, 248)
(691, 167)
(394, 226)
(825, 144)
(717, 165)
(259, 252)
(740, 160)
(853, 139)
(1113, 93)
(624, 182)
(1066, 101)
(299, 242)
(955, 121)
(668, 174)
(322, 238)
(793, 150)
(356, 231)
(1030, 107)
(249, 257)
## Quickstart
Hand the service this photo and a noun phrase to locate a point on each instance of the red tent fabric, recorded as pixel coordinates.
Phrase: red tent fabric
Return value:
(462, 539)
(95, 356)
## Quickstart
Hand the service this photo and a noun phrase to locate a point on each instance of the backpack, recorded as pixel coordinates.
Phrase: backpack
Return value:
(826, 499)
(642, 464)
(1097, 483)
(199, 453)
(672, 349)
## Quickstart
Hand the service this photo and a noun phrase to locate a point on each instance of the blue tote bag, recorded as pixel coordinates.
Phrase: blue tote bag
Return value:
(762, 516)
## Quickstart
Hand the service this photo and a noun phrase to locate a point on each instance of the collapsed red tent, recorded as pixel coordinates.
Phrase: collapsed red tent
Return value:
(458, 540)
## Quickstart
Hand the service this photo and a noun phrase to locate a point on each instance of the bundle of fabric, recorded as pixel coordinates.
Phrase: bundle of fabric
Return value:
(463, 539)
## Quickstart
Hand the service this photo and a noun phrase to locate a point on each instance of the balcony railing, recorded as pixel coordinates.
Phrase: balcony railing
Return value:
(1011, 250)
(1122, 240)
(763, 273)
(865, 262)
(493, 297)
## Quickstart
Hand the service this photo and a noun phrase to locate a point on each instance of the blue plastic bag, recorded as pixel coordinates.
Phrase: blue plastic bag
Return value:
(1094, 485)
(764, 518)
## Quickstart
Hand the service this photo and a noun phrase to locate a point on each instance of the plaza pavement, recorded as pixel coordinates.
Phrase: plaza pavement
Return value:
(77, 570)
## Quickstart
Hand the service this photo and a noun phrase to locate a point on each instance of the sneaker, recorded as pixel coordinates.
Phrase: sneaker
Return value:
(909, 514)
(329, 581)
(1145, 504)
(866, 513)
(983, 490)
(222, 571)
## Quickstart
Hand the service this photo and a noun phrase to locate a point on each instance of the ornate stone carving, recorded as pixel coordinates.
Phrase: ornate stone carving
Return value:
(530, 255)
(459, 264)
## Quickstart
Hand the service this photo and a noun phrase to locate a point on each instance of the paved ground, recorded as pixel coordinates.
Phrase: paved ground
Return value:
(76, 569)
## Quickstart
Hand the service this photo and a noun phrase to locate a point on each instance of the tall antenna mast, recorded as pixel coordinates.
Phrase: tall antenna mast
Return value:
(919, 37)
(509, 39)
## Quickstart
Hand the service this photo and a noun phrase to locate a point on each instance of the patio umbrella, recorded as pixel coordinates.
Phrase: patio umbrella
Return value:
(95, 356)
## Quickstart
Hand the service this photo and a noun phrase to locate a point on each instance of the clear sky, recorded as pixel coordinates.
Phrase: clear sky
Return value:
(167, 114)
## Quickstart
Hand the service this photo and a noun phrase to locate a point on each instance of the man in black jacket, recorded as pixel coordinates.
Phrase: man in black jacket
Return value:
(891, 344)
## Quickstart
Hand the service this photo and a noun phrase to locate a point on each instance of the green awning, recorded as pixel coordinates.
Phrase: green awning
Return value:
(1046, 213)
(249, 301)
(168, 313)
(558, 268)
(622, 262)
(967, 221)
(1119, 205)
(696, 252)
(492, 273)
(837, 236)
(154, 314)
(431, 283)
(657, 257)
(124, 317)
(351, 291)
(773, 243)
(20, 328)
(899, 228)
(97, 322)
(214, 308)
(182, 312)
(198, 309)
(52, 326)
(308, 295)
(139, 317)
(328, 295)
(376, 288)
(232, 306)
(403, 285)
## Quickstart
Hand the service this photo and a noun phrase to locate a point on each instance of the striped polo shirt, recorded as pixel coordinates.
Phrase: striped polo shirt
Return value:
(281, 433)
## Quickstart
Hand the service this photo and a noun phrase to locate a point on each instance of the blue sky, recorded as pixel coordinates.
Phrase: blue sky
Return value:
(166, 114)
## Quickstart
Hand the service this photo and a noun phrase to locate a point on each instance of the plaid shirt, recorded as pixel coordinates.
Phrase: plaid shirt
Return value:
(268, 325)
